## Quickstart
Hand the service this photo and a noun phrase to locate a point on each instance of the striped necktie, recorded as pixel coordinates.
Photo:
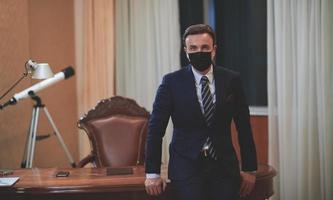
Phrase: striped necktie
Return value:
(209, 108)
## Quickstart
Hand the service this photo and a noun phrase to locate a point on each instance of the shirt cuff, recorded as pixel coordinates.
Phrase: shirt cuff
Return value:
(251, 172)
(149, 176)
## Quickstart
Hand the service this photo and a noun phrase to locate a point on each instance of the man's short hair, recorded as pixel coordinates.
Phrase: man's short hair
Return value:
(199, 29)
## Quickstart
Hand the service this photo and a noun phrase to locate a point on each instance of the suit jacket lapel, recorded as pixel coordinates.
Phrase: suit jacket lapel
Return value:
(193, 91)
(220, 92)
(219, 87)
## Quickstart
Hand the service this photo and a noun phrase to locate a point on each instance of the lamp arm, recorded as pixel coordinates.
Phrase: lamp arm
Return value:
(17, 82)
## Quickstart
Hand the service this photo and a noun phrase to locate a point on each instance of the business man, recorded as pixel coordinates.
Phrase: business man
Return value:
(202, 100)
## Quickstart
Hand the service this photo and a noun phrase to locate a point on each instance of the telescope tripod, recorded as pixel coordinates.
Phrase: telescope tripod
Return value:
(32, 137)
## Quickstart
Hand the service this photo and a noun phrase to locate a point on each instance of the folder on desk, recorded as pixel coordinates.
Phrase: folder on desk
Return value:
(8, 181)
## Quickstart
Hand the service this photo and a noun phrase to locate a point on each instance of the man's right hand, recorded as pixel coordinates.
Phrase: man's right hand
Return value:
(155, 186)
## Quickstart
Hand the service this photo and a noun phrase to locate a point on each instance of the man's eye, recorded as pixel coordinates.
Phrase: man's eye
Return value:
(205, 48)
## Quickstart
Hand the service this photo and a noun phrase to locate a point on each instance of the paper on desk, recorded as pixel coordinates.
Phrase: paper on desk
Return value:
(8, 181)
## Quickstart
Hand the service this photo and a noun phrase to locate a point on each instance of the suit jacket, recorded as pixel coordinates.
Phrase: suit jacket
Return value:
(176, 97)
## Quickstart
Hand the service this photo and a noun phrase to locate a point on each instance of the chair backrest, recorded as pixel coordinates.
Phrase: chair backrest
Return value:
(117, 129)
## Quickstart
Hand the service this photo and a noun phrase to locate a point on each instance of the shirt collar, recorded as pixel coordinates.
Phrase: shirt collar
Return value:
(198, 75)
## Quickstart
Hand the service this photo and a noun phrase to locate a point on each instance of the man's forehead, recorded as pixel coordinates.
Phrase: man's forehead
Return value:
(199, 38)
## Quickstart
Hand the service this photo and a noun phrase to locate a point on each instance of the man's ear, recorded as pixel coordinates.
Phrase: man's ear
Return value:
(186, 53)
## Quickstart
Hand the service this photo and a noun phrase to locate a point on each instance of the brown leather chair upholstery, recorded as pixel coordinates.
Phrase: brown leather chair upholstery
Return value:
(117, 129)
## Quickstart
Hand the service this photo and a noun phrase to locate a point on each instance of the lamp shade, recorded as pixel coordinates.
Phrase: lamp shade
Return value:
(41, 71)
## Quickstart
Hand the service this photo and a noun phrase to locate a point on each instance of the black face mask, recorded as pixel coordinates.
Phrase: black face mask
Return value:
(200, 60)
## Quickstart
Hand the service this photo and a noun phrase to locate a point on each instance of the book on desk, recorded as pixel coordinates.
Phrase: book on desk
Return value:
(8, 181)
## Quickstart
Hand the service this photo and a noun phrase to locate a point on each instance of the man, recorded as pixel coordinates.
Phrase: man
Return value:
(202, 99)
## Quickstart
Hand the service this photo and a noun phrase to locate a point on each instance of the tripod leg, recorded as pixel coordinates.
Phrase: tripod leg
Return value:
(33, 139)
(30, 145)
(57, 133)
(28, 140)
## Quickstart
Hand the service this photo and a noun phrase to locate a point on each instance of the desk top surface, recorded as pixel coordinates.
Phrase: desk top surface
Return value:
(44, 180)
(40, 180)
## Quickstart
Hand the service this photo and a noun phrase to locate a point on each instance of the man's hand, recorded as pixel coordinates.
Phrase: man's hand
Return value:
(155, 186)
(248, 182)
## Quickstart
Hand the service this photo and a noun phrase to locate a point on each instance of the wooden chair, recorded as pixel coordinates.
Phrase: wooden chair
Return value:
(117, 129)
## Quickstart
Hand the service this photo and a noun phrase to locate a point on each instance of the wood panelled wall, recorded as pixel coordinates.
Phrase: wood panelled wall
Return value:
(42, 30)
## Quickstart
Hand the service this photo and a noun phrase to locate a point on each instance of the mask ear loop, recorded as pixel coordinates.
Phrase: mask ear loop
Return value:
(213, 60)
(214, 57)
(188, 57)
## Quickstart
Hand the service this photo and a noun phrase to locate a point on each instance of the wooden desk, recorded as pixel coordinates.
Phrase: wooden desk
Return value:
(93, 183)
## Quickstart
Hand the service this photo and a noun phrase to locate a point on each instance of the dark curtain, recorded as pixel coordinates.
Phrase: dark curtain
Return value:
(241, 37)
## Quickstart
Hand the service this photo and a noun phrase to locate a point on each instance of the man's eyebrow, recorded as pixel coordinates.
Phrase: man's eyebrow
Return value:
(193, 46)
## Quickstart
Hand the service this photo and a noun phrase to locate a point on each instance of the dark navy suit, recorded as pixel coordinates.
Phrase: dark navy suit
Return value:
(177, 97)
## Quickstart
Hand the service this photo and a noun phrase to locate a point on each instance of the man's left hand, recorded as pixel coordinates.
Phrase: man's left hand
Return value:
(248, 182)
